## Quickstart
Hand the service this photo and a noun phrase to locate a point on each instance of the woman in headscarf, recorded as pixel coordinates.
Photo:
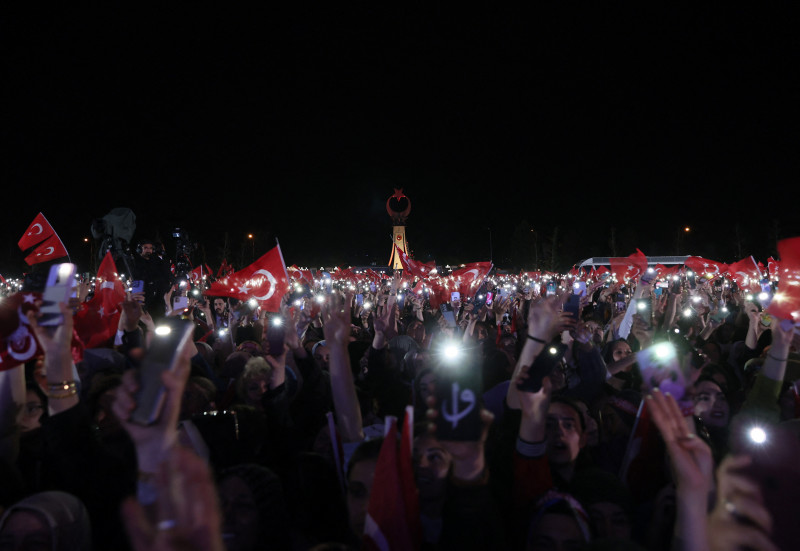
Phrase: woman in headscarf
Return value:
(52, 521)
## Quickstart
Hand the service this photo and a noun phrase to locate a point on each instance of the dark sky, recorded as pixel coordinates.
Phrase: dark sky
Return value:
(299, 124)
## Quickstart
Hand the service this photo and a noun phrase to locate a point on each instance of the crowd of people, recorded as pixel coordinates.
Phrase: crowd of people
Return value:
(536, 423)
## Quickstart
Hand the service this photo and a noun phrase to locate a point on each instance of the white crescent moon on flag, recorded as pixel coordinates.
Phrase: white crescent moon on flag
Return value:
(23, 319)
(26, 354)
(50, 251)
(37, 224)
(272, 284)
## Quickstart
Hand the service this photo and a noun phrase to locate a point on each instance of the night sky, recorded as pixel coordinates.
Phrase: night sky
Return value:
(496, 123)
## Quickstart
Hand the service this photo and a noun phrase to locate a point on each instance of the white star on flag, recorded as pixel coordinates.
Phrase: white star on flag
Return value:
(243, 289)
(29, 298)
(101, 312)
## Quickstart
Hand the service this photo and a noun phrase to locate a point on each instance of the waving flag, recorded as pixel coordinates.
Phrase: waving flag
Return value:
(51, 249)
(393, 512)
(414, 267)
(225, 269)
(200, 273)
(774, 268)
(39, 230)
(628, 267)
(18, 343)
(786, 302)
(265, 280)
(470, 277)
(744, 272)
(702, 266)
(296, 274)
(97, 321)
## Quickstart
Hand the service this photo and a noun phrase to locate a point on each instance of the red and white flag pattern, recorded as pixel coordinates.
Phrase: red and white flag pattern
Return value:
(392, 521)
(38, 230)
(18, 343)
(97, 321)
(265, 280)
(786, 302)
(628, 267)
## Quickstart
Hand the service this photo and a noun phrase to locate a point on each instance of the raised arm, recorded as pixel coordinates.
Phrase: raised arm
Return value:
(336, 322)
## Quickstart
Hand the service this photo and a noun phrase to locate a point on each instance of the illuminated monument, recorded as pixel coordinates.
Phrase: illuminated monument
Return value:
(398, 206)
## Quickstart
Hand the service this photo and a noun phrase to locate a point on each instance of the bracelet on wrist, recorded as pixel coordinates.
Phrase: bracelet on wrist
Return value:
(62, 389)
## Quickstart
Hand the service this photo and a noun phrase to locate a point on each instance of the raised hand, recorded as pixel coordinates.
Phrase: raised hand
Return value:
(739, 519)
(691, 458)
(188, 515)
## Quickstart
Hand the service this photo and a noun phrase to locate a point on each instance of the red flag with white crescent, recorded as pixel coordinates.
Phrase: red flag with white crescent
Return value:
(630, 266)
(97, 320)
(702, 266)
(51, 249)
(18, 343)
(745, 272)
(470, 277)
(265, 280)
(39, 230)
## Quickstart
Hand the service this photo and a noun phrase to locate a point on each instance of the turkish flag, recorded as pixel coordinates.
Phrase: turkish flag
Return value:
(97, 321)
(414, 267)
(630, 266)
(265, 280)
(744, 272)
(392, 521)
(470, 277)
(225, 269)
(774, 268)
(202, 271)
(39, 230)
(18, 343)
(786, 302)
(346, 275)
(296, 274)
(702, 266)
(51, 249)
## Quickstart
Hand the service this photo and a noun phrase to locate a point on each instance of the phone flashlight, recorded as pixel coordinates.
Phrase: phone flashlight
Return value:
(687, 313)
(253, 303)
(277, 321)
(757, 435)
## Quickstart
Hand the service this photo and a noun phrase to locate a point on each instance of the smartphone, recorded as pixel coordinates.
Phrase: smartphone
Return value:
(573, 306)
(61, 285)
(455, 296)
(619, 302)
(676, 286)
(766, 319)
(458, 392)
(169, 338)
(658, 291)
(137, 286)
(276, 335)
(660, 369)
(774, 450)
(360, 299)
(579, 288)
(648, 276)
(180, 303)
(551, 288)
(644, 307)
(542, 366)
(692, 279)
(448, 314)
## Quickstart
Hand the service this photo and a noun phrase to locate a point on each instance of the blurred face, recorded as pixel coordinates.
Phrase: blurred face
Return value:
(147, 250)
(255, 389)
(416, 330)
(432, 463)
(31, 412)
(556, 532)
(427, 386)
(25, 530)
(564, 438)
(359, 486)
(610, 521)
(219, 306)
(597, 331)
(592, 430)
(482, 333)
(711, 405)
(240, 522)
(322, 354)
(621, 351)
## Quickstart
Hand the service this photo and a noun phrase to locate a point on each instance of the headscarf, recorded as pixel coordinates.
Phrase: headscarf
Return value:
(64, 515)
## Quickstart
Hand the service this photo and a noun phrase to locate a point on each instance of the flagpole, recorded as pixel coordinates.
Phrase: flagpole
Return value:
(626, 459)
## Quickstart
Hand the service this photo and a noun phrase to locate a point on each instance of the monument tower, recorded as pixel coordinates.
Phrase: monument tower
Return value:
(398, 206)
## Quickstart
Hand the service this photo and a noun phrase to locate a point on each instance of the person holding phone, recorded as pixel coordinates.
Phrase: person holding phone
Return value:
(155, 272)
